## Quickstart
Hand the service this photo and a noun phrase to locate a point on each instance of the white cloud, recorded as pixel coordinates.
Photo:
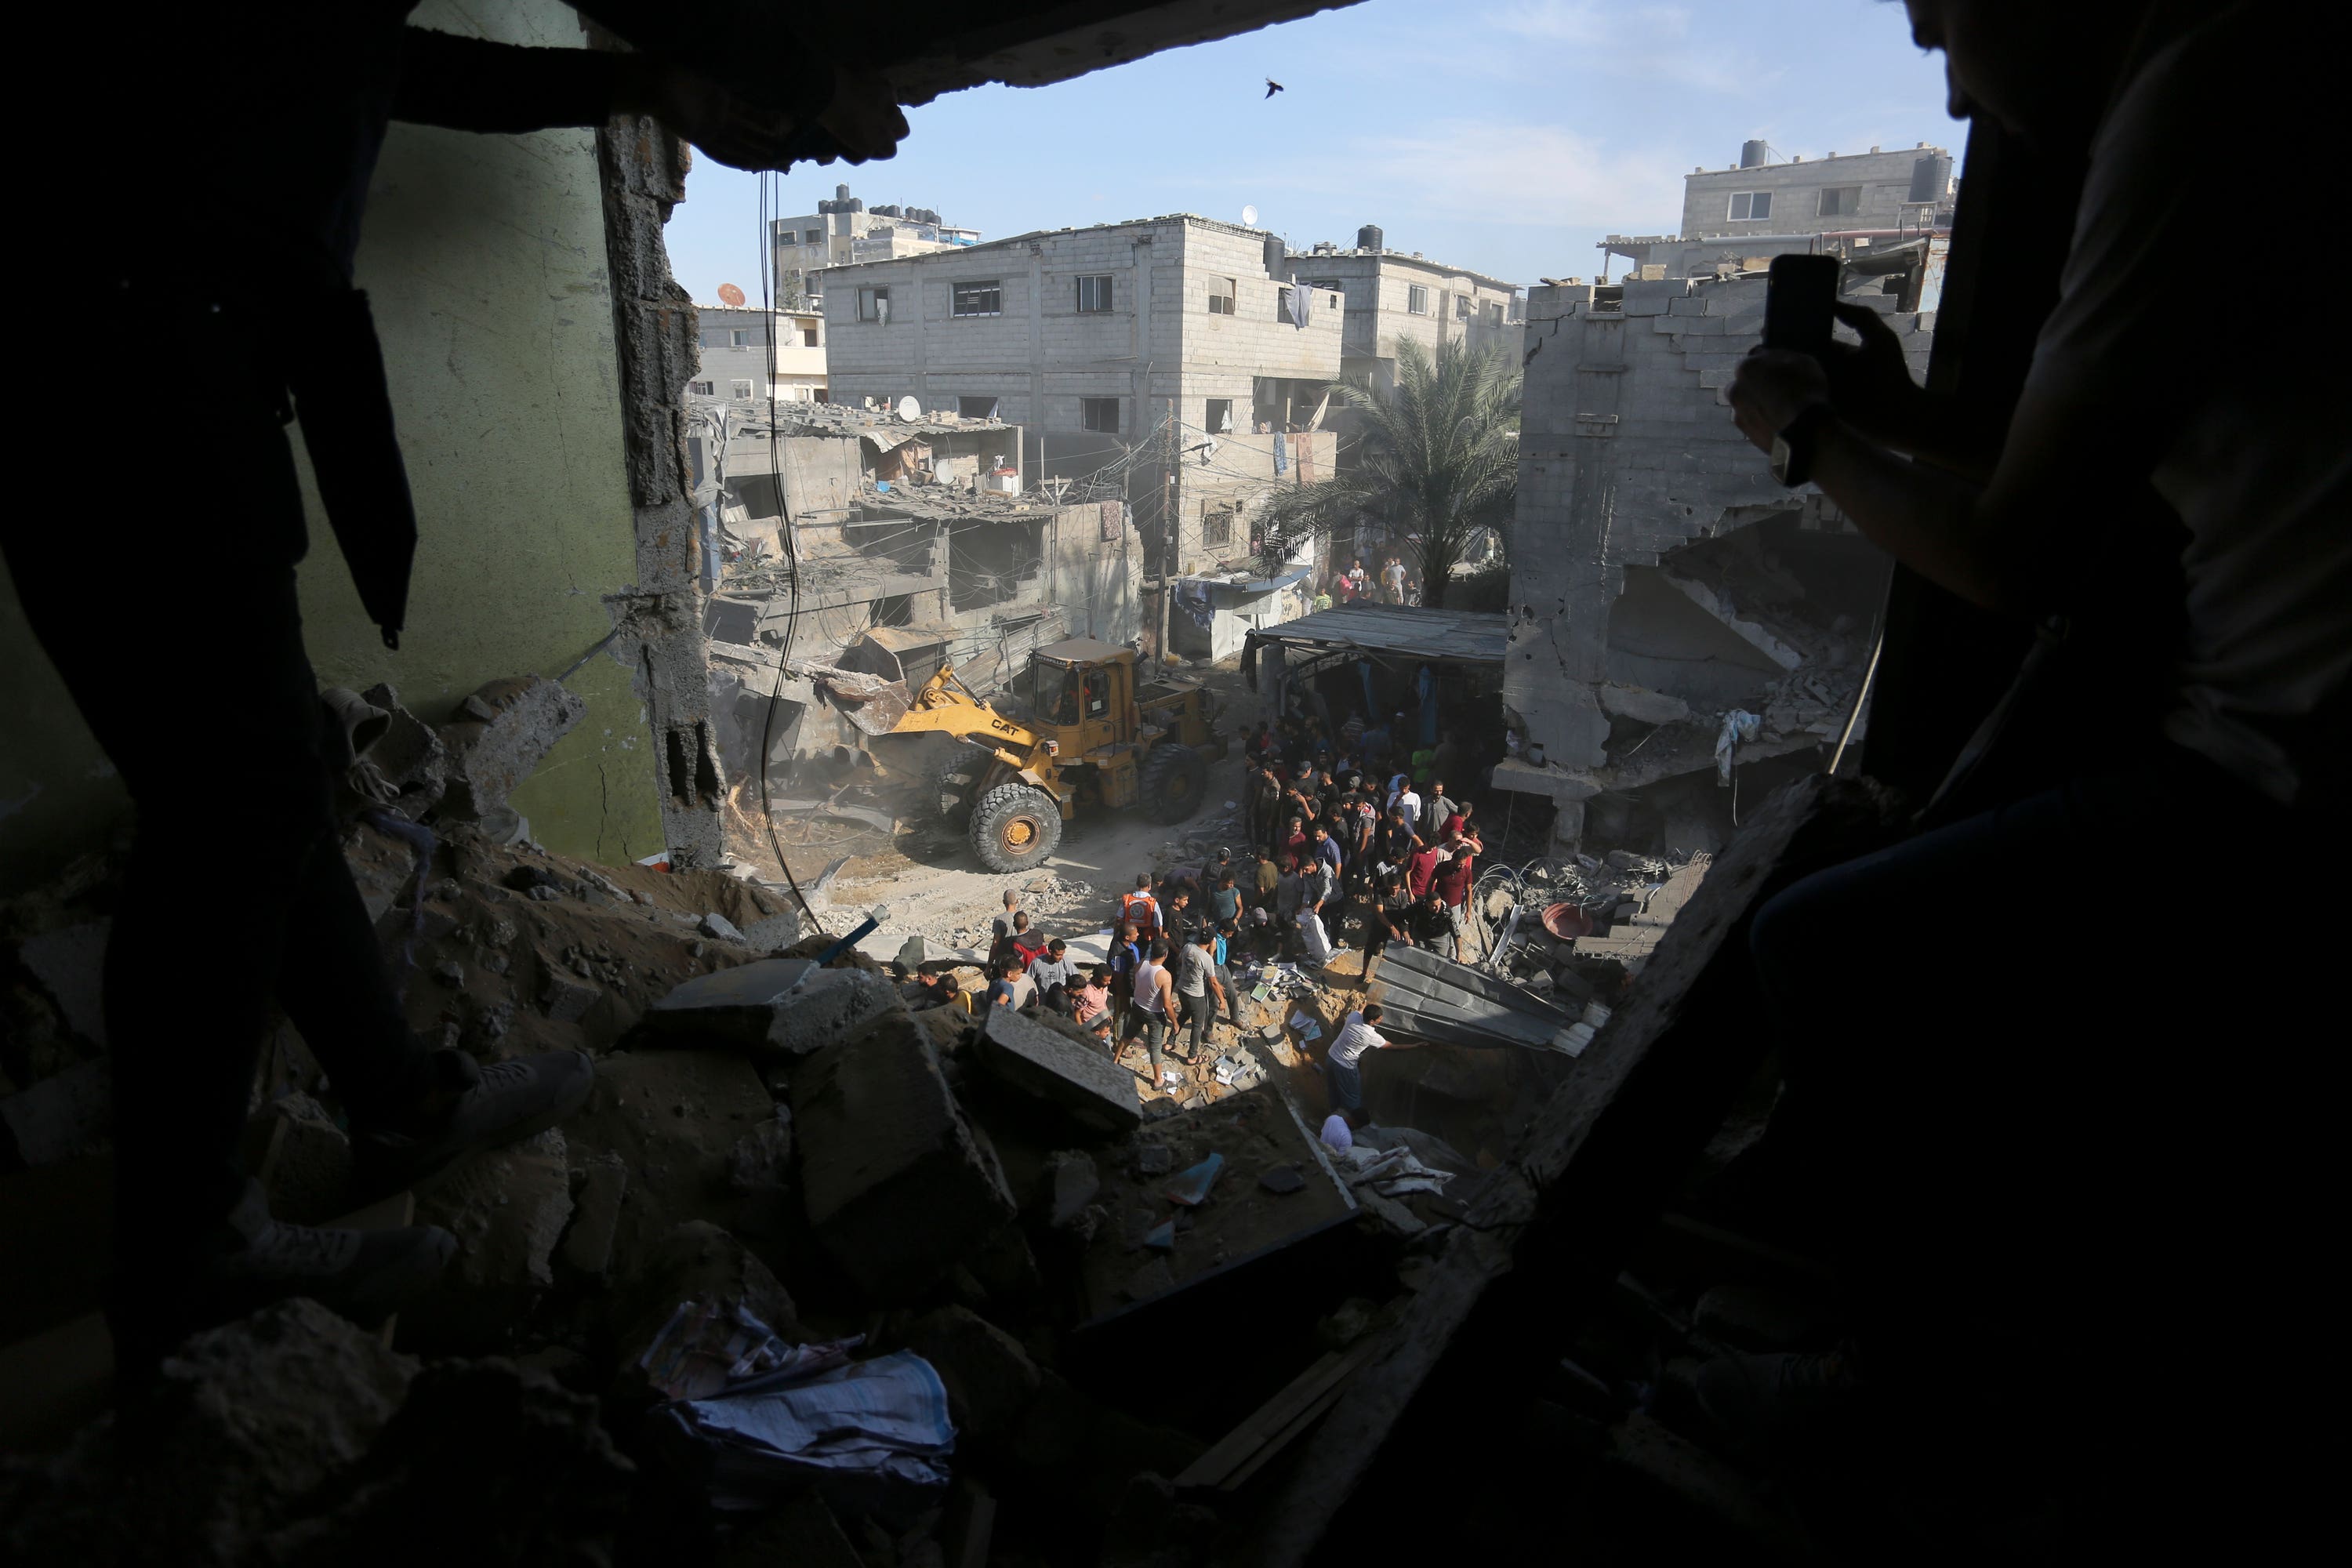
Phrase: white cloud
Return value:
(1651, 43)
(1518, 174)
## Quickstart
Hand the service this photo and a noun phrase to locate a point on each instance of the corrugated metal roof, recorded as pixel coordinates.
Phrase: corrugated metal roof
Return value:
(1403, 629)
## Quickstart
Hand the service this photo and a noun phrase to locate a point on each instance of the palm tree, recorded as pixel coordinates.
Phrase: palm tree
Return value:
(1437, 461)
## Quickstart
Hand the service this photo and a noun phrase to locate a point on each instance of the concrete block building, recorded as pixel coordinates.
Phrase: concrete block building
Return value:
(1393, 296)
(736, 366)
(1122, 349)
(1736, 218)
(845, 230)
(1661, 579)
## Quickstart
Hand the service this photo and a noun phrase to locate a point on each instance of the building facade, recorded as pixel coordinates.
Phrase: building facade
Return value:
(1737, 219)
(844, 230)
(1393, 296)
(1162, 361)
(736, 366)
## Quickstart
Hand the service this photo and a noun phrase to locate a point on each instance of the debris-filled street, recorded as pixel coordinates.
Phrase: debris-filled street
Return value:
(704, 866)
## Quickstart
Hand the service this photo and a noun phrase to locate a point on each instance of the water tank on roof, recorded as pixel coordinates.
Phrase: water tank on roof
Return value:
(1753, 154)
(1369, 238)
(1277, 258)
(1930, 177)
(841, 193)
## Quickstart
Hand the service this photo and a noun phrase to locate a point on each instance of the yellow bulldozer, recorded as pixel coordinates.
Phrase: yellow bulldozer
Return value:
(1084, 731)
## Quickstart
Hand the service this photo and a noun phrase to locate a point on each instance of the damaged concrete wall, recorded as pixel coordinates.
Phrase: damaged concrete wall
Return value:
(1627, 458)
(643, 177)
(484, 259)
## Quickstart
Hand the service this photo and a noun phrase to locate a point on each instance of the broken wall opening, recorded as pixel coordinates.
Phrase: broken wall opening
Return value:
(990, 561)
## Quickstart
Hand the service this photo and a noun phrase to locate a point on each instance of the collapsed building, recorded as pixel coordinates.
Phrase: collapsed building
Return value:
(1675, 613)
(828, 522)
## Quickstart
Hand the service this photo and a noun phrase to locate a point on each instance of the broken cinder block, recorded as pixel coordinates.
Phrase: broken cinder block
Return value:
(489, 758)
(893, 1182)
(1094, 1091)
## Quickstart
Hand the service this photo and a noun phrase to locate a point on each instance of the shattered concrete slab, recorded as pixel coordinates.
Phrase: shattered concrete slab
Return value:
(408, 754)
(503, 733)
(785, 1005)
(1091, 1088)
(675, 1118)
(1255, 1131)
(896, 1183)
(508, 1208)
(248, 1421)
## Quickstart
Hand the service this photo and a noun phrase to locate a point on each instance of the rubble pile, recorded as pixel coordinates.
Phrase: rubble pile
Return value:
(809, 1272)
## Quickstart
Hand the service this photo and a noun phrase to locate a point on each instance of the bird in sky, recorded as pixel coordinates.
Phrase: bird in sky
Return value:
(1272, 87)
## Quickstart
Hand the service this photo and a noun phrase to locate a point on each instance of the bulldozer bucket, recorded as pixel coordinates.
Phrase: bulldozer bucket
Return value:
(872, 704)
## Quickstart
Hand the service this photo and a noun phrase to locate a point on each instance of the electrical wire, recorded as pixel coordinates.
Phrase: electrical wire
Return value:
(786, 536)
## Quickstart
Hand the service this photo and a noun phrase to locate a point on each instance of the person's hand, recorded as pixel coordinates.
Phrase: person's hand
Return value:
(862, 120)
(1771, 387)
(1870, 386)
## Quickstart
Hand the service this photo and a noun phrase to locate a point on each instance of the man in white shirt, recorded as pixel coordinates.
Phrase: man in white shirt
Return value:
(1339, 1131)
(1152, 1009)
(1340, 1069)
(1407, 799)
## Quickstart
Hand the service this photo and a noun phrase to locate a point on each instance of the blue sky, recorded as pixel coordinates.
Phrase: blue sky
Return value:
(1506, 137)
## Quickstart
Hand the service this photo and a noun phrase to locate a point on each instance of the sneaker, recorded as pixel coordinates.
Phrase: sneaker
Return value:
(365, 1275)
(481, 1108)
(1788, 1405)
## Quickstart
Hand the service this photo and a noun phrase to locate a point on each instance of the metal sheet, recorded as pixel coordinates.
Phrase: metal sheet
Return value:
(1408, 631)
(1453, 1003)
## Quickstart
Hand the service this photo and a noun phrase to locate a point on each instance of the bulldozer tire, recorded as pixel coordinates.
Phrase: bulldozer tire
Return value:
(1015, 827)
(1174, 778)
(954, 782)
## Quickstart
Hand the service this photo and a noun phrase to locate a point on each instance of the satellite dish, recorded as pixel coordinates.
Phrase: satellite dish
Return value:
(730, 295)
(909, 410)
(1249, 218)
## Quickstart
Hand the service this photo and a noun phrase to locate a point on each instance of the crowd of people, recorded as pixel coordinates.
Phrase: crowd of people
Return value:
(1394, 583)
(1355, 830)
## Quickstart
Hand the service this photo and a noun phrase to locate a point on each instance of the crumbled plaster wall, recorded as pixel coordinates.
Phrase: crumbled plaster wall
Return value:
(1627, 455)
(644, 171)
(484, 259)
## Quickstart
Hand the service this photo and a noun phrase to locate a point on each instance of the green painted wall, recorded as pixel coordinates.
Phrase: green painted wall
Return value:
(485, 258)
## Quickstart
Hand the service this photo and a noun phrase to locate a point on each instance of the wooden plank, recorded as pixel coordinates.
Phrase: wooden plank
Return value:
(1284, 1438)
(1268, 1421)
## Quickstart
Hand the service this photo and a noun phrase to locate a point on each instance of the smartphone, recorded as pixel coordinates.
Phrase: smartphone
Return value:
(1800, 294)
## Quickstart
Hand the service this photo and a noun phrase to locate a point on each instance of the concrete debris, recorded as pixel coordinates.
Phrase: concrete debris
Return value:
(601, 1185)
(762, 1160)
(485, 1461)
(489, 758)
(675, 1119)
(407, 756)
(1282, 1181)
(508, 1208)
(719, 927)
(990, 1378)
(563, 997)
(773, 1004)
(892, 1180)
(1071, 1183)
(61, 1116)
(247, 1422)
(1643, 705)
(827, 1006)
(1037, 1060)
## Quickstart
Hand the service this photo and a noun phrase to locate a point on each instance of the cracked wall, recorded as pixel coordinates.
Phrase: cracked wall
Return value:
(1628, 459)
